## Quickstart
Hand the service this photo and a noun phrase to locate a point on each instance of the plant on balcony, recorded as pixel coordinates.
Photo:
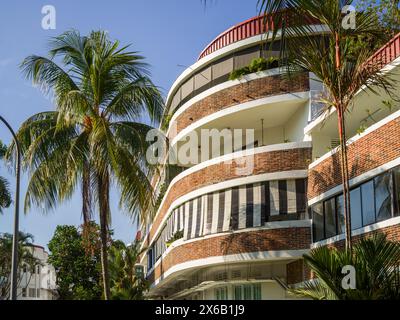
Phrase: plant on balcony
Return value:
(256, 65)
(377, 274)
(340, 59)
(178, 235)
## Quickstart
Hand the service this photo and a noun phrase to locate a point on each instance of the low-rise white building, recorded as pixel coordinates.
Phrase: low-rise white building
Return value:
(40, 284)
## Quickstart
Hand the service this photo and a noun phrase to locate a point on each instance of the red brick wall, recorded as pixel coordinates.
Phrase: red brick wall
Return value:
(235, 243)
(247, 91)
(287, 160)
(377, 148)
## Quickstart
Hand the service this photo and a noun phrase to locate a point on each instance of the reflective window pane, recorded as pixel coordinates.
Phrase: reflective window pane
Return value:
(397, 189)
(368, 204)
(318, 222)
(383, 199)
(330, 218)
(355, 209)
(340, 213)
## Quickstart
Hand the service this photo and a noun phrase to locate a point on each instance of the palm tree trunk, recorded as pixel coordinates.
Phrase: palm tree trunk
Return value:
(104, 208)
(345, 175)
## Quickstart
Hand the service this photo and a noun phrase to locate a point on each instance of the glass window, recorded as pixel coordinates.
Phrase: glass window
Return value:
(24, 292)
(247, 292)
(355, 209)
(368, 204)
(37, 293)
(257, 292)
(221, 294)
(340, 213)
(330, 218)
(32, 292)
(318, 219)
(383, 198)
(238, 293)
(397, 190)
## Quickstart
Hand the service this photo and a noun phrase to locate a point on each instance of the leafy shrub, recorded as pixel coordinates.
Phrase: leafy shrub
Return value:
(256, 65)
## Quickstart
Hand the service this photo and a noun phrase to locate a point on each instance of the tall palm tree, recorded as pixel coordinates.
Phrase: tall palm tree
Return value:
(96, 136)
(376, 261)
(340, 59)
(5, 194)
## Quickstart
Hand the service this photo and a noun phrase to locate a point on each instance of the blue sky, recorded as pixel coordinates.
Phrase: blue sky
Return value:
(167, 32)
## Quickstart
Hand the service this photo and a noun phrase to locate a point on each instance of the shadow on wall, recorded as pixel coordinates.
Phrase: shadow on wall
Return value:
(331, 174)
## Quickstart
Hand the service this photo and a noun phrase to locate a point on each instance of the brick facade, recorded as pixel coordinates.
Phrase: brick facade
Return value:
(244, 92)
(235, 243)
(375, 149)
(269, 162)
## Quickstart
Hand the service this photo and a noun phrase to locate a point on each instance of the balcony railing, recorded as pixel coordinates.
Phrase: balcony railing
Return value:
(388, 53)
(253, 27)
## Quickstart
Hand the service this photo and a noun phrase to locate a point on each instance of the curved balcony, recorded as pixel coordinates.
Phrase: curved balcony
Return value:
(250, 28)
(271, 163)
(266, 88)
(232, 50)
(279, 241)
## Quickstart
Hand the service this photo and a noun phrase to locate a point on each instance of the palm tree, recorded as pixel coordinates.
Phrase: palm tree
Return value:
(26, 261)
(125, 283)
(5, 194)
(96, 135)
(376, 261)
(340, 59)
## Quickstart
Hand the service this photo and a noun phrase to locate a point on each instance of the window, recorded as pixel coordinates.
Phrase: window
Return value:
(37, 293)
(32, 292)
(257, 292)
(238, 292)
(150, 259)
(24, 292)
(221, 293)
(340, 213)
(248, 292)
(383, 199)
(330, 218)
(368, 203)
(355, 209)
(318, 222)
(397, 190)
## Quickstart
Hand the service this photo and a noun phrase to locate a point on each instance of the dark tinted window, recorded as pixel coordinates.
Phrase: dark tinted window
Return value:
(383, 199)
(368, 203)
(397, 190)
(340, 213)
(330, 218)
(355, 209)
(318, 219)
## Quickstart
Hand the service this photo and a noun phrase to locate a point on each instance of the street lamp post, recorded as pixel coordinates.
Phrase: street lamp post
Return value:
(14, 258)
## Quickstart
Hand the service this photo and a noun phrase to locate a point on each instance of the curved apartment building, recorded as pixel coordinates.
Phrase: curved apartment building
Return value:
(235, 225)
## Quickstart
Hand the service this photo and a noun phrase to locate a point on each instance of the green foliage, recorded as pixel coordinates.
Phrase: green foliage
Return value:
(5, 194)
(376, 261)
(26, 260)
(78, 273)
(96, 137)
(125, 284)
(256, 65)
(178, 235)
(388, 12)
